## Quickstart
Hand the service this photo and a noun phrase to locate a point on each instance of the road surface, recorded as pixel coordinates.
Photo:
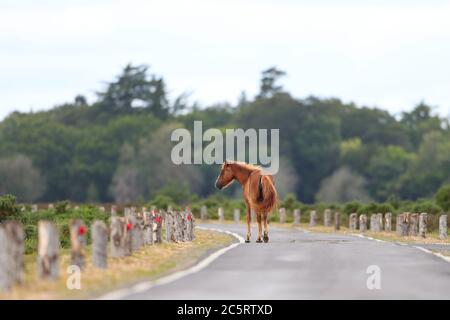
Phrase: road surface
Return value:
(300, 265)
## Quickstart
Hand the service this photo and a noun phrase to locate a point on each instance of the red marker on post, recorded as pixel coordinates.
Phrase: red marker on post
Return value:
(82, 230)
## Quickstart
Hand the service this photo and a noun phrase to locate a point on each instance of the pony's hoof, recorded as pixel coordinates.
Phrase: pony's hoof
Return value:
(266, 239)
(259, 241)
(247, 240)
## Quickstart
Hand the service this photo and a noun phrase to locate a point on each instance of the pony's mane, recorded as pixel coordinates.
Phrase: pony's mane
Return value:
(244, 165)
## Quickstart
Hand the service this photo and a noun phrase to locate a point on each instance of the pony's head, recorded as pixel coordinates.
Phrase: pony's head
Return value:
(226, 175)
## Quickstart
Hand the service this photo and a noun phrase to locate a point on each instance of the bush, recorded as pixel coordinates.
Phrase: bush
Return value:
(376, 208)
(61, 206)
(161, 202)
(8, 206)
(443, 197)
(289, 202)
(351, 207)
(424, 206)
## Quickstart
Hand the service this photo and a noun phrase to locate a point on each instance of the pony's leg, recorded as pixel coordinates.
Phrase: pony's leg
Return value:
(258, 218)
(266, 227)
(249, 218)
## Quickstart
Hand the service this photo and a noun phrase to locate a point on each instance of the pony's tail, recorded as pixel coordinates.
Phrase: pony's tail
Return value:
(260, 190)
(267, 194)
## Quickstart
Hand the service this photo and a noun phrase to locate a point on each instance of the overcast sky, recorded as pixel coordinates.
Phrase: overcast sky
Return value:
(389, 54)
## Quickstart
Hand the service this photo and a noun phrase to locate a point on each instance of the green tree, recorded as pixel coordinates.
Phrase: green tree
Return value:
(342, 186)
(18, 176)
(269, 79)
(134, 90)
(384, 169)
(420, 121)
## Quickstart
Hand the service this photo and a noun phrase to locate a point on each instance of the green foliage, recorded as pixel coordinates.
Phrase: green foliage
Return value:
(161, 201)
(178, 193)
(443, 197)
(61, 207)
(420, 206)
(351, 207)
(290, 202)
(8, 206)
(374, 207)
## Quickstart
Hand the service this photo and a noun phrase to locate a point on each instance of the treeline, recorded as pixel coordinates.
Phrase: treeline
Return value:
(117, 148)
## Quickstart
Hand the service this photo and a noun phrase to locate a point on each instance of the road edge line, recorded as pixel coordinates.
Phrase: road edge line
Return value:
(143, 286)
(437, 254)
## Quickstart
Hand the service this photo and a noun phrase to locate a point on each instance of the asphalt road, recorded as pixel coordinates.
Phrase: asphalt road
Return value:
(300, 265)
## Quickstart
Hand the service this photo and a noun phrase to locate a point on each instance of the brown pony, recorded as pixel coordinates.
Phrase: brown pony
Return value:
(258, 190)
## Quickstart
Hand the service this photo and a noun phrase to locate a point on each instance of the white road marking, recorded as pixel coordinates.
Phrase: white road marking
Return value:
(367, 237)
(437, 254)
(143, 286)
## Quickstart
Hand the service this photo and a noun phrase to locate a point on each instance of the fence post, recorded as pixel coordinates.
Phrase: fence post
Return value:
(362, 223)
(352, 221)
(203, 213)
(373, 222)
(158, 220)
(443, 227)
(127, 238)
(140, 229)
(221, 214)
(12, 251)
(402, 224)
(174, 226)
(148, 228)
(312, 218)
(423, 221)
(236, 215)
(297, 214)
(191, 227)
(169, 226)
(282, 212)
(113, 211)
(380, 222)
(48, 250)
(413, 228)
(117, 237)
(179, 226)
(186, 235)
(388, 222)
(134, 232)
(99, 233)
(327, 218)
(78, 242)
(337, 220)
